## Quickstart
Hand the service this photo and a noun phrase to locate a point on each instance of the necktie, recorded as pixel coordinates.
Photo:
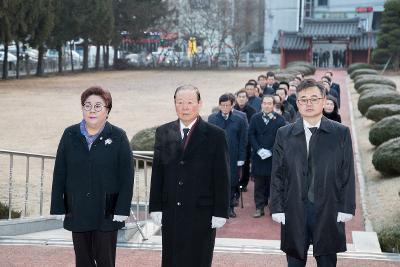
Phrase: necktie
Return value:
(310, 169)
(185, 135)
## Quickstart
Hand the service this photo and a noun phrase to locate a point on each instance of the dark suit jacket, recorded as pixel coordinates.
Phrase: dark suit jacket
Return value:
(189, 187)
(89, 187)
(334, 186)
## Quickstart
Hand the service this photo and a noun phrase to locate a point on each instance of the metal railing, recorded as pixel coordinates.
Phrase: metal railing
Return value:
(140, 201)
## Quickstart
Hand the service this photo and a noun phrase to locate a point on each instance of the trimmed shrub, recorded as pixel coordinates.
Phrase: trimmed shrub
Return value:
(371, 98)
(364, 79)
(380, 91)
(357, 66)
(4, 212)
(284, 76)
(384, 130)
(389, 239)
(302, 63)
(374, 86)
(386, 157)
(144, 139)
(363, 72)
(367, 76)
(378, 112)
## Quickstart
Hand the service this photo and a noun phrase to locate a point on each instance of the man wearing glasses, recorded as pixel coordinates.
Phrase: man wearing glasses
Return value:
(312, 181)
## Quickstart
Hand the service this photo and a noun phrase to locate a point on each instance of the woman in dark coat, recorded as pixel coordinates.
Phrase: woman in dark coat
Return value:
(93, 181)
(331, 109)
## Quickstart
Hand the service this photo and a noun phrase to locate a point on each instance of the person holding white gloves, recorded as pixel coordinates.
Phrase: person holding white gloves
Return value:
(312, 181)
(190, 183)
(262, 131)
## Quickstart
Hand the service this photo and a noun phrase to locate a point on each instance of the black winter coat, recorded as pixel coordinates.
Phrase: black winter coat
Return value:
(89, 187)
(189, 187)
(334, 186)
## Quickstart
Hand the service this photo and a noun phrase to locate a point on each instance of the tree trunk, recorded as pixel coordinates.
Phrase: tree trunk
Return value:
(97, 63)
(85, 66)
(18, 61)
(106, 59)
(115, 55)
(39, 69)
(396, 62)
(5, 61)
(71, 56)
(60, 59)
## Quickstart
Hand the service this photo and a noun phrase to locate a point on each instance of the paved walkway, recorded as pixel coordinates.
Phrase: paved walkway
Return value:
(244, 226)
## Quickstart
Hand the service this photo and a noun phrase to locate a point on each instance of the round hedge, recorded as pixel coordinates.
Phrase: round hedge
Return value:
(301, 66)
(384, 130)
(374, 86)
(144, 140)
(368, 76)
(284, 76)
(381, 91)
(378, 112)
(364, 79)
(371, 98)
(357, 66)
(386, 157)
(389, 239)
(363, 72)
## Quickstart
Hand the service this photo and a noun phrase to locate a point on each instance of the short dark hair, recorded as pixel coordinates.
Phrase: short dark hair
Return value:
(307, 83)
(99, 91)
(328, 78)
(285, 83)
(242, 91)
(250, 84)
(270, 74)
(224, 98)
(231, 97)
(188, 87)
(261, 76)
(269, 96)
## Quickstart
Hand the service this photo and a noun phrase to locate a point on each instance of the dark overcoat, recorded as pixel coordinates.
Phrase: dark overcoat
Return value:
(235, 129)
(334, 186)
(90, 186)
(263, 136)
(189, 187)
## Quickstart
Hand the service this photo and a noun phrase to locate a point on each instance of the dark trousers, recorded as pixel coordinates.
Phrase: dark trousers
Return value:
(261, 190)
(328, 260)
(233, 196)
(245, 174)
(95, 248)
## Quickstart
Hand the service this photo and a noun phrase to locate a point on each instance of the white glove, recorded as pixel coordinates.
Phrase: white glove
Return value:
(60, 217)
(264, 153)
(279, 218)
(217, 222)
(240, 163)
(156, 216)
(120, 218)
(344, 217)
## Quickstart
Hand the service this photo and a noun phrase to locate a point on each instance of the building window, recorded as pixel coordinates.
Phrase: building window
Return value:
(199, 4)
(322, 2)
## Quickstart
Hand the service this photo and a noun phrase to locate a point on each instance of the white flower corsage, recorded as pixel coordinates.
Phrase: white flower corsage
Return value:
(108, 141)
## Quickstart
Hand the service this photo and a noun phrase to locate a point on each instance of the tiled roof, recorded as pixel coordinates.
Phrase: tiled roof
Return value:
(364, 42)
(289, 41)
(331, 28)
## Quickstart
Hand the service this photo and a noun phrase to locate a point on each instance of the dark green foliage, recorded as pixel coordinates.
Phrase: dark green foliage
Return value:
(385, 130)
(388, 39)
(386, 158)
(301, 66)
(357, 66)
(144, 140)
(358, 72)
(284, 76)
(375, 86)
(4, 212)
(378, 112)
(375, 97)
(381, 90)
(389, 239)
(364, 79)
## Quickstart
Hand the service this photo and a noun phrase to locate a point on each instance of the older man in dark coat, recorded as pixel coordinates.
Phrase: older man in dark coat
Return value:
(312, 183)
(189, 192)
(235, 129)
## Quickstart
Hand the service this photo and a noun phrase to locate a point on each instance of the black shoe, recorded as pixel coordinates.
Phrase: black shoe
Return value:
(244, 189)
(258, 213)
(232, 213)
(235, 202)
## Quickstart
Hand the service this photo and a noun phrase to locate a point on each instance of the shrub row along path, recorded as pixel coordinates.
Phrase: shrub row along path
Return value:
(244, 226)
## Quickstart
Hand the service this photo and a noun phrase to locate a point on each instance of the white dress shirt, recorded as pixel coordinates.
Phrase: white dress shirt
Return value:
(308, 132)
(182, 126)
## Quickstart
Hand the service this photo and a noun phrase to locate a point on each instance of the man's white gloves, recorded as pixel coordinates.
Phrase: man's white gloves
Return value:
(279, 218)
(344, 217)
(264, 153)
(120, 218)
(60, 217)
(217, 222)
(156, 216)
(240, 163)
